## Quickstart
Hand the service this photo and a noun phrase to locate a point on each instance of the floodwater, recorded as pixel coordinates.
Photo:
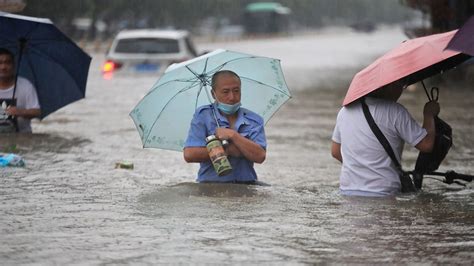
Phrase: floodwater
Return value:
(69, 205)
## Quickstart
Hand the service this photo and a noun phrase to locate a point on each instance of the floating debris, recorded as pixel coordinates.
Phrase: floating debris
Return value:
(124, 165)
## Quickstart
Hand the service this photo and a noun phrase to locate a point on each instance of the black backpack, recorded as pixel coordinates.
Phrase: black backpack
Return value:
(429, 162)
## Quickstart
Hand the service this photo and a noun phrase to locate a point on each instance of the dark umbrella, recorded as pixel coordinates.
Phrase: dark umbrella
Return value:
(50, 60)
(463, 40)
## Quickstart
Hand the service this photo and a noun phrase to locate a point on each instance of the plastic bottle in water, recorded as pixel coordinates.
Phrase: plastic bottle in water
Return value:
(11, 160)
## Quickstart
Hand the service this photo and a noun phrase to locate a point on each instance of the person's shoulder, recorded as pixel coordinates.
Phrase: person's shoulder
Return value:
(397, 107)
(350, 108)
(391, 105)
(24, 83)
(252, 115)
(343, 110)
(23, 80)
(394, 110)
(203, 108)
(203, 111)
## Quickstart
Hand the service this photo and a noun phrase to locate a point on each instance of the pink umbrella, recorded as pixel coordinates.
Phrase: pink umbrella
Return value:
(411, 61)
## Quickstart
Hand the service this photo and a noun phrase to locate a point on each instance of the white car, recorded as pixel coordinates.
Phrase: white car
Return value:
(148, 51)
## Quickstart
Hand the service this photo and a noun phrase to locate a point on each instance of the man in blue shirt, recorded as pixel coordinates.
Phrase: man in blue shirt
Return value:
(242, 128)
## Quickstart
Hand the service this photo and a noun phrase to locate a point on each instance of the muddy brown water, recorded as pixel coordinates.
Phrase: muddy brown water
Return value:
(69, 205)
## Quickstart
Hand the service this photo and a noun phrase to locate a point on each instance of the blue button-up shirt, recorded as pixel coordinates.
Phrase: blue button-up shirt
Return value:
(248, 124)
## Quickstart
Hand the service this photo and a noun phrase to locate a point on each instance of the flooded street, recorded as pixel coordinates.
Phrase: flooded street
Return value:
(69, 205)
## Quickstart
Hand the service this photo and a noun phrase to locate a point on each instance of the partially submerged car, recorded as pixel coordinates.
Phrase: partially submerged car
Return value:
(148, 51)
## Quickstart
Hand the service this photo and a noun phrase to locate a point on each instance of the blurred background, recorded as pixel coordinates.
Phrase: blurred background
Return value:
(102, 19)
(71, 205)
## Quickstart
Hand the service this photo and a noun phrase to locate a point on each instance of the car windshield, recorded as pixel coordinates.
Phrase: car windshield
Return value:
(147, 46)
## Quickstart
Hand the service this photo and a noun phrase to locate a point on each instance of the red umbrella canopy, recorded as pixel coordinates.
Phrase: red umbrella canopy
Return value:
(411, 61)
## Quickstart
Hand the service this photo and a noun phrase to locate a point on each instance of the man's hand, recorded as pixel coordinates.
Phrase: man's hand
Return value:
(223, 133)
(231, 149)
(13, 111)
(431, 108)
(243, 146)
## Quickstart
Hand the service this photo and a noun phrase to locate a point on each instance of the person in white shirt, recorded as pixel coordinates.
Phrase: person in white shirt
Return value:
(367, 169)
(27, 104)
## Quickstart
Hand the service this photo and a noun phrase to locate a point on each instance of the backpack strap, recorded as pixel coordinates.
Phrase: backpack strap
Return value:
(380, 136)
(405, 180)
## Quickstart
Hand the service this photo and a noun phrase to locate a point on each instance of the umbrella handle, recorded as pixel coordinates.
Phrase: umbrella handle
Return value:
(434, 95)
(426, 91)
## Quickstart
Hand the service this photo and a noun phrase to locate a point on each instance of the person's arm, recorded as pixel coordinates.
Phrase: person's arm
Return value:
(196, 154)
(200, 154)
(249, 149)
(25, 113)
(195, 150)
(336, 151)
(232, 150)
(430, 110)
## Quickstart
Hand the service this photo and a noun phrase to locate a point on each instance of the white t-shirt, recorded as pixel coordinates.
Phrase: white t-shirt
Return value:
(26, 98)
(366, 165)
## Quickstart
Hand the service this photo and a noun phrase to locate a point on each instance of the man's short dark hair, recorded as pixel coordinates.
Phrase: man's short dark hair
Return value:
(220, 73)
(6, 51)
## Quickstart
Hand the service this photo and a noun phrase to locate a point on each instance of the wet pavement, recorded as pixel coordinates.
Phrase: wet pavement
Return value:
(69, 205)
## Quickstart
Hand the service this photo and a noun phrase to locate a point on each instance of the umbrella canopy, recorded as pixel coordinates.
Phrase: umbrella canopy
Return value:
(164, 115)
(463, 40)
(51, 61)
(409, 62)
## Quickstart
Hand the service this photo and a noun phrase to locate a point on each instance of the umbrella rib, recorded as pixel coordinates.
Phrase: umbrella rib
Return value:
(230, 61)
(192, 71)
(44, 56)
(37, 41)
(189, 87)
(34, 48)
(207, 94)
(32, 70)
(264, 84)
(202, 76)
(156, 88)
(57, 41)
(32, 29)
(203, 84)
(9, 46)
(5, 41)
(38, 89)
(197, 97)
(289, 96)
(164, 107)
(36, 25)
(205, 66)
(216, 69)
(212, 107)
